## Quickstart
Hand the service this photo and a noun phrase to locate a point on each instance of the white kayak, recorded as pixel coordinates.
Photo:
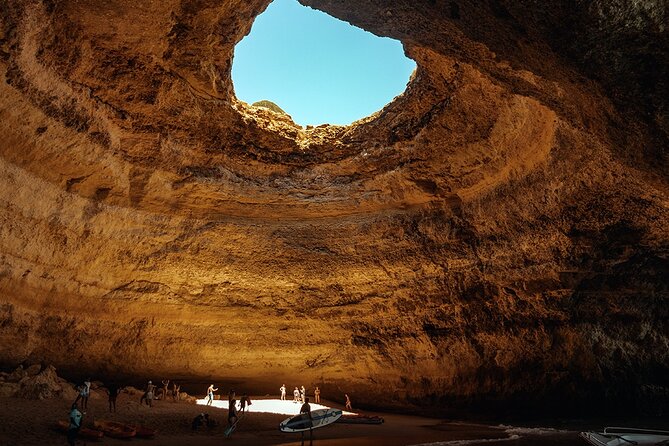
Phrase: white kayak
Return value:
(302, 422)
(627, 436)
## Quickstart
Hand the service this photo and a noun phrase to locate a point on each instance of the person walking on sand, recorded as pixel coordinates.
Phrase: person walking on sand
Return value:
(303, 394)
(113, 390)
(243, 402)
(296, 395)
(283, 392)
(74, 426)
(232, 411)
(348, 402)
(210, 394)
(317, 395)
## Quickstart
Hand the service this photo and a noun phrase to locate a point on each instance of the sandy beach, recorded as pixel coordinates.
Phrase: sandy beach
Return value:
(30, 422)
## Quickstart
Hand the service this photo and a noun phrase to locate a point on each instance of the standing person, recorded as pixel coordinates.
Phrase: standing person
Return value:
(175, 391)
(283, 392)
(306, 410)
(74, 426)
(243, 402)
(150, 388)
(113, 390)
(348, 402)
(232, 411)
(296, 395)
(317, 395)
(303, 393)
(84, 393)
(231, 395)
(166, 384)
(210, 394)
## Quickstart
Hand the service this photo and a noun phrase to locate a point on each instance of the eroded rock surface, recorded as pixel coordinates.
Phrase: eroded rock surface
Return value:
(497, 234)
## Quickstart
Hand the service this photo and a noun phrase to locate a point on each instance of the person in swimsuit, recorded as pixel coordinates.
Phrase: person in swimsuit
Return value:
(232, 411)
(283, 392)
(210, 394)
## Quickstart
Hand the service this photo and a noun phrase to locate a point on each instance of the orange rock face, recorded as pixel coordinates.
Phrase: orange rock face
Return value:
(496, 234)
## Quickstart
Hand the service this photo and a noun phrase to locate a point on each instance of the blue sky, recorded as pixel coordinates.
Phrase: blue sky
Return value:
(317, 68)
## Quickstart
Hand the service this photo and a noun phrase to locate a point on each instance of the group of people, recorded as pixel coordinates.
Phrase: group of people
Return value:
(152, 392)
(113, 390)
(233, 410)
(300, 394)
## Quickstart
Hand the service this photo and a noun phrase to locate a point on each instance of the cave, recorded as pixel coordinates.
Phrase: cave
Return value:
(493, 240)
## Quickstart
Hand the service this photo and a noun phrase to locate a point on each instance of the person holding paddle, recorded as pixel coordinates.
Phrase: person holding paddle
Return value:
(232, 412)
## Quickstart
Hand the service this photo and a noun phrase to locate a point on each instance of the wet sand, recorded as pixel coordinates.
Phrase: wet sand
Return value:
(30, 422)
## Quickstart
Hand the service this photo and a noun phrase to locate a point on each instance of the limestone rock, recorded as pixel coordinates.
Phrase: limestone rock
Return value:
(493, 239)
(133, 391)
(17, 375)
(8, 389)
(68, 392)
(33, 370)
(41, 386)
(183, 396)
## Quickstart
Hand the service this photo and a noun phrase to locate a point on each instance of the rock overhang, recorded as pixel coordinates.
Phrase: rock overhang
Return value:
(472, 229)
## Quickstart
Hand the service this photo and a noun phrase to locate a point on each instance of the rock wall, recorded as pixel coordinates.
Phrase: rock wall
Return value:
(494, 237)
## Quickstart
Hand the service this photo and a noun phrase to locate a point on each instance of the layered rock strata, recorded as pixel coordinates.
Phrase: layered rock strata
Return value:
(495, 235)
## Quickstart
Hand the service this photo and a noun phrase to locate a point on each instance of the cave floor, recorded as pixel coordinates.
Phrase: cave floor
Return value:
(29, 422)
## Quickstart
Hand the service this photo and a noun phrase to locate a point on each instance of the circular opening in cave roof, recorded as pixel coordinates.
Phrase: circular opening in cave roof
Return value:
(316, 68)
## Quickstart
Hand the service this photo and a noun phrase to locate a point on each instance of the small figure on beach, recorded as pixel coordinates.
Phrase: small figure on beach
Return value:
(303, 394)
(296, 395)
(283, 392)
(210, 394)
(74, 426)
(317, 395)
(175, 391)
(348, 402)
(243, 402)
(148, 394)
(113, 391)
(163, 390)
(84, 393)
(198, 421)
(150, 389)
(232, 411)
(306, 410)
(306, 407)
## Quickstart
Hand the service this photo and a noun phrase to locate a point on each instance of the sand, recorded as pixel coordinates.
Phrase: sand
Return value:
(29, 422)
